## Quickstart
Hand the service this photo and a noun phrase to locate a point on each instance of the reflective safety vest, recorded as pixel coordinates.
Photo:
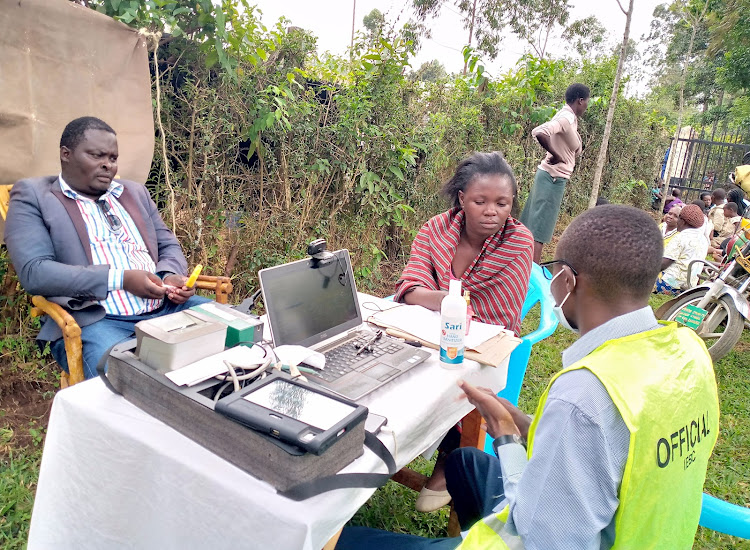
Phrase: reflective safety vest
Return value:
(662, 383)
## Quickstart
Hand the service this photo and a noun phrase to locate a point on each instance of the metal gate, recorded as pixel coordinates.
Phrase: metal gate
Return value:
(704, 158)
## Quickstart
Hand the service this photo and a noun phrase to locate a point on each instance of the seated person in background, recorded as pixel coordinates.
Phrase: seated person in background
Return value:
(689, 244)
(737, 196)
(673, 200)
(707, 226)
(731, 222)
(716, 213)
(604, 467)
(656, 193)
(479, 242)
(94, 245)
(668, 226)
(706, 198)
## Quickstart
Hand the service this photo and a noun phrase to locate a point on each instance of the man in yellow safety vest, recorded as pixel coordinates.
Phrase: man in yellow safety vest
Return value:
(618, 449)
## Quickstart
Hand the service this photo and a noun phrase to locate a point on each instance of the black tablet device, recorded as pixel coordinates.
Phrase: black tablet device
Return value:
(293, 411)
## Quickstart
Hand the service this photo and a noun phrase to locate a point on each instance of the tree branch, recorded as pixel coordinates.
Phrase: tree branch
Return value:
(171, 37)
(621, 8)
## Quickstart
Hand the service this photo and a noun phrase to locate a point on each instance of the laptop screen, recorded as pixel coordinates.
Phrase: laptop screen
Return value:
(308, 301)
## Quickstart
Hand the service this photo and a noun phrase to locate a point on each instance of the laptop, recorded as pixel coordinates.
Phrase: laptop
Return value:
(313, 303)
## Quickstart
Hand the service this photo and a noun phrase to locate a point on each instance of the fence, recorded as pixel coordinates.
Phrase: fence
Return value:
(705, 157)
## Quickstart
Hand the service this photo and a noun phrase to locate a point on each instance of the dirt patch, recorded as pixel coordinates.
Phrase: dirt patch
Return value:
(25, 402)
(742, 346)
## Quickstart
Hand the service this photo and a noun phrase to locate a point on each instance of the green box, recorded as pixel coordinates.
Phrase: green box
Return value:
(241, 328)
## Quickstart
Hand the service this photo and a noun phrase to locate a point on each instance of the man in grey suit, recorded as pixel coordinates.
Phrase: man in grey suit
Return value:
(95, 245)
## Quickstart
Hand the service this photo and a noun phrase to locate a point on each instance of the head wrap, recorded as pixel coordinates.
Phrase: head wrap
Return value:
(692, 215)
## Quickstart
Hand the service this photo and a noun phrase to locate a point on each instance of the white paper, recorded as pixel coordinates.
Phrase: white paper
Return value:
(240, 356)
(425, 325)
(211, 308)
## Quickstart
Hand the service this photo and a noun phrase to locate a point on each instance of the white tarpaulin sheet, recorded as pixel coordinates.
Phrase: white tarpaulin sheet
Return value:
(60, 61)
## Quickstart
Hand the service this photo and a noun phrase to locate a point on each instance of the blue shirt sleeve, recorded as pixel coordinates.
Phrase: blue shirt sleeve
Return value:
(566, 496)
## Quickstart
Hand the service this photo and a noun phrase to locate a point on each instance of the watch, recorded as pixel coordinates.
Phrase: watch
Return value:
(504, 439)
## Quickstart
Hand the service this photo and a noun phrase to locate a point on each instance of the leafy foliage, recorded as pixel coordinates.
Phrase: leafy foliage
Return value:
(587, 35)
(431, 71)
(483, 18)
(276, 144)
(535, 20)
(671, 30)
(730, 34)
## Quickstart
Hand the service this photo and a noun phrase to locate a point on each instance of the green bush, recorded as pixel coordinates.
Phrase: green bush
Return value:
(295, 146)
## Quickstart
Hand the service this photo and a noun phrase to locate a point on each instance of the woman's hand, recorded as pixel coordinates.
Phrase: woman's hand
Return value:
(546, 144)
(420, 296)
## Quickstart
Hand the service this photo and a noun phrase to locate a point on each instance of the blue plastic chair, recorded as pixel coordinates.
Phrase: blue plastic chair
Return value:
(519, 359)
(724, 517)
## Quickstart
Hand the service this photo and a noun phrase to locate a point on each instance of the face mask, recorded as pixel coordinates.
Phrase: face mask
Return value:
(558, 311)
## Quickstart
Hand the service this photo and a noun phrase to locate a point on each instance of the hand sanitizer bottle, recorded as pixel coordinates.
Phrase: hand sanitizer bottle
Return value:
(452, 327)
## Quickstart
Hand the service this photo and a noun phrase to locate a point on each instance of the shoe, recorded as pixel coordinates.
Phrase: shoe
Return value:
(429, 500)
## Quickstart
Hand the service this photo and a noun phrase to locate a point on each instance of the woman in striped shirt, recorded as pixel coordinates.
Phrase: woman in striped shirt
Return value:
(477, 241)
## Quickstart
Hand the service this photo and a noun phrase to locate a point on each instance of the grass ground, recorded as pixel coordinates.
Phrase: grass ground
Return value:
(27, 381)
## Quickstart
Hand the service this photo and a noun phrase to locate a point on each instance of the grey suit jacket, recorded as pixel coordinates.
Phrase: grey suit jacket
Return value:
(49, 246)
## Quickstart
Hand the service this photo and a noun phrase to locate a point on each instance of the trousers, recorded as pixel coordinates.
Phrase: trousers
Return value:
(475, 482)
(98, 337)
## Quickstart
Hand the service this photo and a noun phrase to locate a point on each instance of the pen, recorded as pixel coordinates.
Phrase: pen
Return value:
(194, 276)
(301, 369)
(366, 346)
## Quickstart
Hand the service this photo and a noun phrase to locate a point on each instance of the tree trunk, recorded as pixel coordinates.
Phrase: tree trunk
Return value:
(675, 142)
(471, 31)
(602, 158)
(354, 19)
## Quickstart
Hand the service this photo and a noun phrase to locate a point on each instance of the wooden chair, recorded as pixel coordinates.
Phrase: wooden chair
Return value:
(221, 286)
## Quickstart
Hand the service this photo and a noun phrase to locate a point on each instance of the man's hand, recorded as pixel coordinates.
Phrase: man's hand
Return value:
(143, 284)
(520, 418)
(177, 292)
(499, 420)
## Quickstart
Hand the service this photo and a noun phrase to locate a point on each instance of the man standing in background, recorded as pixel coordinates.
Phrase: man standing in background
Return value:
(560, 138)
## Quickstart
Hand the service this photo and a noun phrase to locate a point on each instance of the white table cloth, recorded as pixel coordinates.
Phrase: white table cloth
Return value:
(112, 476)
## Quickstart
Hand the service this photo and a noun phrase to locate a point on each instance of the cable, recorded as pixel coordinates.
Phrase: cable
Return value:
(368, 306)
(221, 391)
(388, 429)
(233, 373)
(444, 46)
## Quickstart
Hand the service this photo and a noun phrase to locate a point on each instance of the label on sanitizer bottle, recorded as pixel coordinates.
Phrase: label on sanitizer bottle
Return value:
(452, 334)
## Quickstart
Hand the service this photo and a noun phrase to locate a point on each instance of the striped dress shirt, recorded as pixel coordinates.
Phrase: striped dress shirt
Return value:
(121, 250)
(498, 278)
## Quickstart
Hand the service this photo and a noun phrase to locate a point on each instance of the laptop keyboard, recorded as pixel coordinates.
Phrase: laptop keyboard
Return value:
(341, 360)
